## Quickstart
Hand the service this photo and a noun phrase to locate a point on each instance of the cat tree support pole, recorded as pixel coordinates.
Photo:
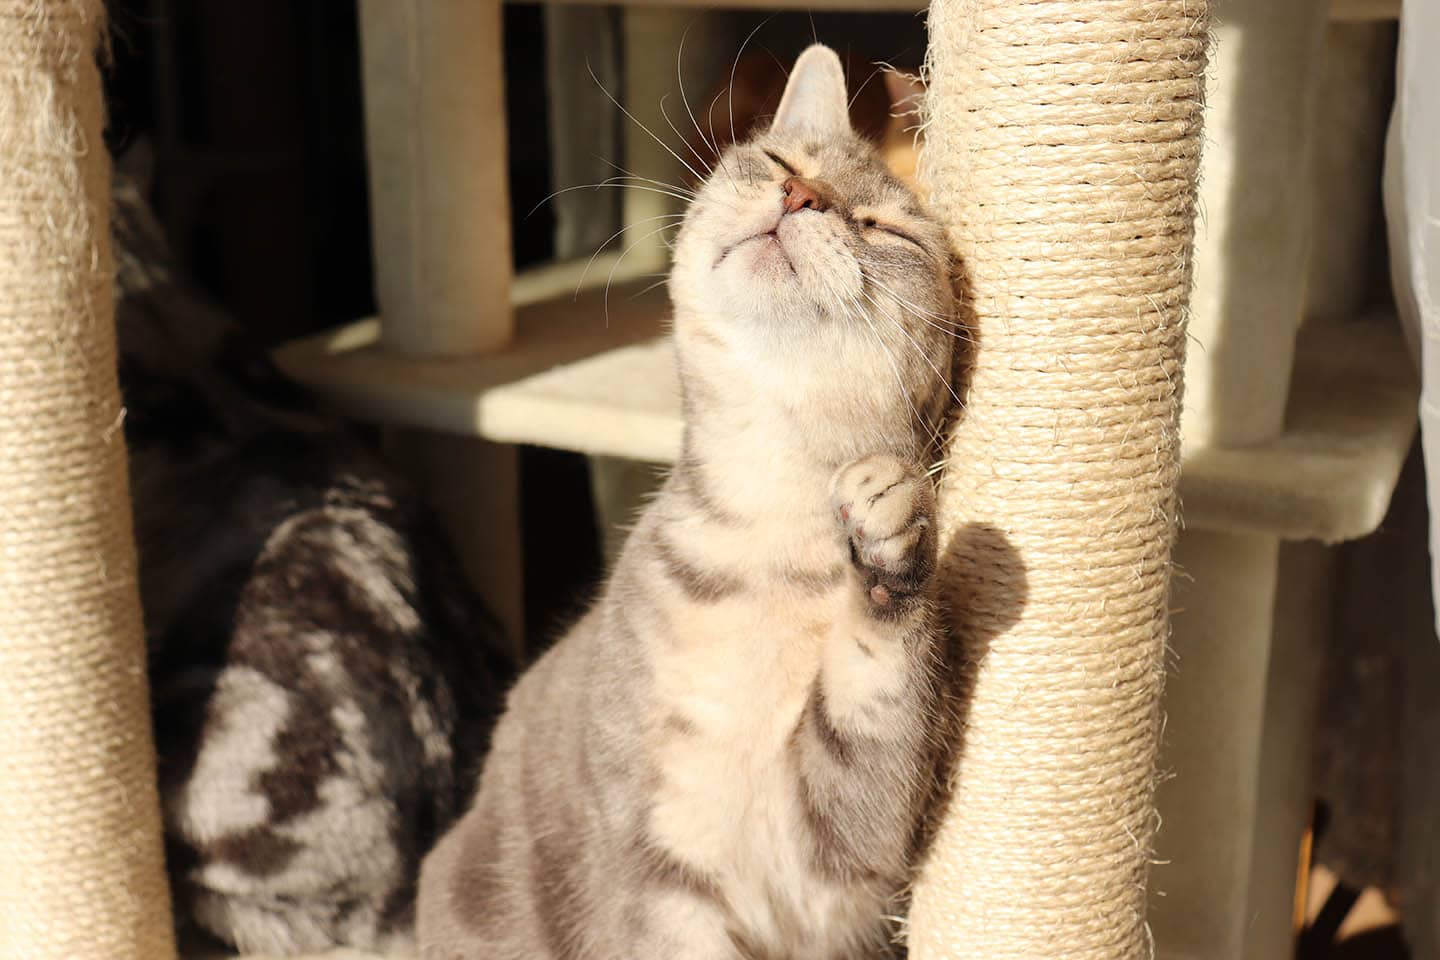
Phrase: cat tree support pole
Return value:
(440, 213)
(1240, 701)
(81, 869)
(1062, 146)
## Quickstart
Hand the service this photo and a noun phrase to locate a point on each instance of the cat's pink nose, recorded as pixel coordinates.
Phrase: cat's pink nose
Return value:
(803, 194)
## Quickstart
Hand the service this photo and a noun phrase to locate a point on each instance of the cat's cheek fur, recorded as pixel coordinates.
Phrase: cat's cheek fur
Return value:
(826, 274)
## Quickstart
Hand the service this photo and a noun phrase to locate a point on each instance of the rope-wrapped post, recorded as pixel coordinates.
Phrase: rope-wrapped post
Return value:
(1062, 142)
(81, 871)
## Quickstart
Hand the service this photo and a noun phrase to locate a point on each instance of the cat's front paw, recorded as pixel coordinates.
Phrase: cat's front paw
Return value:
(886, 508)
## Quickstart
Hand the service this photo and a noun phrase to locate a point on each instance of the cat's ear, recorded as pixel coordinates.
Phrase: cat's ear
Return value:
(815, 98)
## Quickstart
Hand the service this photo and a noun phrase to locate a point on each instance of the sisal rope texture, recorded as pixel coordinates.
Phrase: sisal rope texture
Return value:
(81, 874)
(1062, 143)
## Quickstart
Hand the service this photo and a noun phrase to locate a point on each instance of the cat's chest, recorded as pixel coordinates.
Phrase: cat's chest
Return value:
(745, 670)
(728, 701)
(726, 799)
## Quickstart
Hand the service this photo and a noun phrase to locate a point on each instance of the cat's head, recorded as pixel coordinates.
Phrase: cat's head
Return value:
(805, 272)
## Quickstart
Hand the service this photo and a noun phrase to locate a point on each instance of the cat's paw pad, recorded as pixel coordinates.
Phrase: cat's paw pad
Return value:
(886, 507)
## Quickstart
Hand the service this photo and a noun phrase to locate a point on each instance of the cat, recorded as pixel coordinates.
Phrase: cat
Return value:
(323, 681)
(729, 754)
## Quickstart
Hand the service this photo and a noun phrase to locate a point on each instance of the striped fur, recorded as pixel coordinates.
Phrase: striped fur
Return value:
(727, 756)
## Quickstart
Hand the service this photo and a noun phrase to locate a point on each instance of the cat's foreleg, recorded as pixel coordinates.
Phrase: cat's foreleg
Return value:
(861, 740)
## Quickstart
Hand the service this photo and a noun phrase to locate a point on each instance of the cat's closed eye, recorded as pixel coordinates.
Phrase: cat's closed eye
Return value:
(871, 224)
(782, 164)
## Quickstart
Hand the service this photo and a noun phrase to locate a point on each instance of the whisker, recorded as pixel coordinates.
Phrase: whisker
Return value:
(879, 283)
(552, 196)
(637, 123)
(664, 279)
(895, 368)
(736, 65)
(621, 259)
(854, 309)
(944, 380)
(861, 89)
(944, 324)
(608, 240)
(680, 80)
(719, 154)
(630, 175)
(646, 188)
(614, 183)
(681, 137)
(951, 330)
(937, 428)
(711, 142)
(940, 422)
(919, 314)
(784, 70)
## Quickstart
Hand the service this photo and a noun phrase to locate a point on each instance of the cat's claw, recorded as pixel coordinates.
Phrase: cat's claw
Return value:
(885, 506)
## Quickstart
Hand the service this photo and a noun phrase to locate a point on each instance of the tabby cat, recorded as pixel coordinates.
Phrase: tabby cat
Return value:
(728, 755)
(324, 683)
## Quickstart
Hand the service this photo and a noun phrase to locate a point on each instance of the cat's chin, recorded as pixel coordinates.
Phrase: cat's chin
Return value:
(763, 277)
(784, 276)
(765, 258)
(760, 287)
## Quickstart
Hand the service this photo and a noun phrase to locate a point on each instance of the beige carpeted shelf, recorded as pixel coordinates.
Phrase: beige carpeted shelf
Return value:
(1349, 423)
(583, 373)
(598, 379)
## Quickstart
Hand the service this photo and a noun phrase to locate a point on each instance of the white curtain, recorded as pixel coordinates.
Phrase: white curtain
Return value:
(1412, 211)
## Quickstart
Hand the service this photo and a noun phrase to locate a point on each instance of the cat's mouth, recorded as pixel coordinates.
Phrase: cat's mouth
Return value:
(770, 238)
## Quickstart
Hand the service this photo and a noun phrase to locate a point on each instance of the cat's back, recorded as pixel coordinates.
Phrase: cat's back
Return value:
(340, 720)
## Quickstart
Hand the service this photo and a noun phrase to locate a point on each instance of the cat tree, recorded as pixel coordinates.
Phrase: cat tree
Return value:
(1062, 145)
(80, 856)
(1063, 141)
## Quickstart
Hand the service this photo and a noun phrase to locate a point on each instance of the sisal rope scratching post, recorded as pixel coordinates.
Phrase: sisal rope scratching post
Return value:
(1061, 148)
(80, 854)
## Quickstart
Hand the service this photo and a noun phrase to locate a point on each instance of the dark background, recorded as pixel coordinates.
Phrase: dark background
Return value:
(254, 112)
